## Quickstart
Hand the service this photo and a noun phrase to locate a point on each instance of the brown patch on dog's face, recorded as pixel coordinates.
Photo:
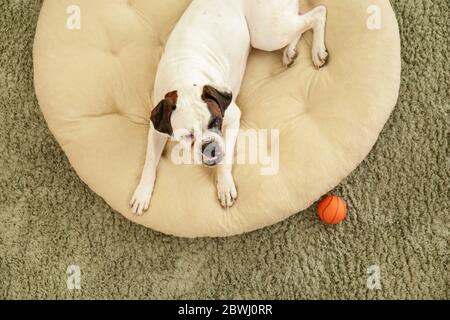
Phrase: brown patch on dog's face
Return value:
(217, 102)
(161, 113)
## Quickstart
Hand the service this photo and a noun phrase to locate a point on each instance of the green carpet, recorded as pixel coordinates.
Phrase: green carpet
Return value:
(398, 200)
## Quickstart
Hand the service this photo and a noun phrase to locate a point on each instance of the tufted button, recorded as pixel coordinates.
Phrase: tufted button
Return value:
(162, 42)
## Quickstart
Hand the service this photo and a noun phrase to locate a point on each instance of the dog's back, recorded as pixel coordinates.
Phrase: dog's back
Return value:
(209, 44)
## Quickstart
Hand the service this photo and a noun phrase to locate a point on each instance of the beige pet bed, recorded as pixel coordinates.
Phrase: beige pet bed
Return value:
(94, 86)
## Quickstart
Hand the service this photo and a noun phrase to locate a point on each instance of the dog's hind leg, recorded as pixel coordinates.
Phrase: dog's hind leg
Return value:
(278, 25)
(315, 20)
(290, 52)
(319, 52)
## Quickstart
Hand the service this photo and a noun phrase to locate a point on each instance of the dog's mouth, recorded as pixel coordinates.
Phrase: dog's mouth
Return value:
(211, 162)
(212, 154)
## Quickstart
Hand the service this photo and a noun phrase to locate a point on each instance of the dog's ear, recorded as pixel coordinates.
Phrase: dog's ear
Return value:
(221, 98)
(161, 113)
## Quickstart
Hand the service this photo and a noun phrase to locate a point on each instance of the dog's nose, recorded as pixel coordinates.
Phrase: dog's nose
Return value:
(211, 153)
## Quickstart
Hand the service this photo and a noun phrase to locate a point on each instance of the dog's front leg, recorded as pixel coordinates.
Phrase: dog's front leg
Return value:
(140, 200)
(226, 189)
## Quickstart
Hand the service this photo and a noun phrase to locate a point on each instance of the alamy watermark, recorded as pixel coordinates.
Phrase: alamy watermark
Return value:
(73, 277)
(374, 19)
(74, 17)
(255, 147)
(374, 277)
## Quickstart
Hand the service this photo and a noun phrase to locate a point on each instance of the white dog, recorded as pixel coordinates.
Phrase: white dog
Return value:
(200, 74)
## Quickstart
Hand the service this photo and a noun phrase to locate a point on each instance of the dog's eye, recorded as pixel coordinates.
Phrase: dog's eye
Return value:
(214, 123)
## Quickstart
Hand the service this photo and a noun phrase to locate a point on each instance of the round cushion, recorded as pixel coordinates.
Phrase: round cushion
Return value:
(94, 84)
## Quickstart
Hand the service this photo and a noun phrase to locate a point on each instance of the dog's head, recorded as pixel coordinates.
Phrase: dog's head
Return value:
(193, 117)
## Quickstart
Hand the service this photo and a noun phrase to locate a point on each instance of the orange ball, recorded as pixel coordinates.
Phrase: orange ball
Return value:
(332, 209)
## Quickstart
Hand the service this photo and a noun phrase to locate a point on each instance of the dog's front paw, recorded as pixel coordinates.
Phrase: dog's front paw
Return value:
(289, 56)
(226, 190)
(140, 201)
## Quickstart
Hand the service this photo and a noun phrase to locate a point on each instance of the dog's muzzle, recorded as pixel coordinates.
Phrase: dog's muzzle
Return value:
(212, 153)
